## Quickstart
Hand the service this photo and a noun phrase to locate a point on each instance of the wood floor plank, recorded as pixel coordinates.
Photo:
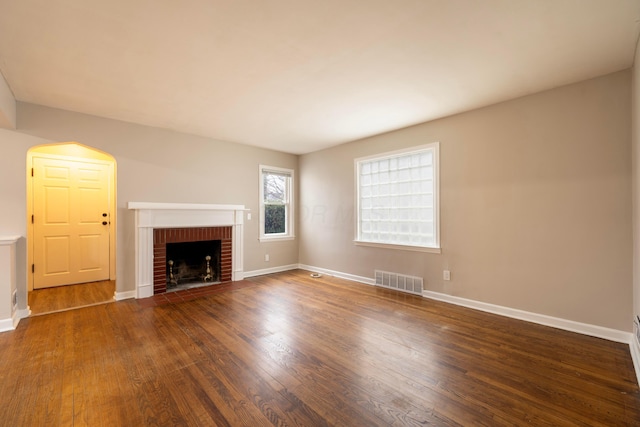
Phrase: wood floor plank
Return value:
(262, 393)
(60, 298)
(289, 350)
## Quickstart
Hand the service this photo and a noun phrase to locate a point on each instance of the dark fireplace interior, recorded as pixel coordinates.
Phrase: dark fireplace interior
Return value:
(190, 264)
(221, 263)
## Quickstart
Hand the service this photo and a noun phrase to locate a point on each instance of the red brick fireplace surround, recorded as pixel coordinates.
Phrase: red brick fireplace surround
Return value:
(153, 225)
(162, 236)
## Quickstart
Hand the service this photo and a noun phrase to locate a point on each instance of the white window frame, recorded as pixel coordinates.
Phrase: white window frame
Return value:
(359, 162)
(288, 203)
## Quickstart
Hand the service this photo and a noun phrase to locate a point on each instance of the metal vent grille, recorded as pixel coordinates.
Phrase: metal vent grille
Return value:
(399, 282)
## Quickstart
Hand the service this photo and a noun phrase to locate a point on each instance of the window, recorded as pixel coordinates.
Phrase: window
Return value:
(276, 208)
(397, 199)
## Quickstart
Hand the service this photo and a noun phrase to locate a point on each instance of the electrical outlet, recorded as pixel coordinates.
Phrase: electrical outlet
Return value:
(446, 275)
(266, 257)
(248, 216)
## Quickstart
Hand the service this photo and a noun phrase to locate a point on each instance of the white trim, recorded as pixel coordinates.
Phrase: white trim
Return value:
(22, 314)
(8, 240)
(347, 276)
(542, 319)
(289, 204)
(634, 347)
(271, 270)
(119, 296)
(398, 247)
(15, 320)
(185, 206)
(11, 324)
(276, 239)
(8, 284)
(7, 325)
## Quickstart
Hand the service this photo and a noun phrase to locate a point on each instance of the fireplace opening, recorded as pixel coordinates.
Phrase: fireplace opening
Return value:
(193, 264)
(221, 263)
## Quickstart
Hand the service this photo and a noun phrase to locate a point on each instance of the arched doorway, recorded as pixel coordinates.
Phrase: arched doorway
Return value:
(71, 217)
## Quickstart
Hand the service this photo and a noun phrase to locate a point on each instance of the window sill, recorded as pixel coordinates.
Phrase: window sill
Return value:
(276, 238)
(398, 247)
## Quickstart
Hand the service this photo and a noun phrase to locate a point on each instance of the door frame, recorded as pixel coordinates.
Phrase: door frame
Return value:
(78, 152)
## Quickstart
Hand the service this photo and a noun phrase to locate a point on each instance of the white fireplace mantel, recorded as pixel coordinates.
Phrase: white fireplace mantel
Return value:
(150, 216)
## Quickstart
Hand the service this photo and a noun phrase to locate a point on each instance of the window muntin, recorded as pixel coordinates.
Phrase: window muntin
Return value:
(276, 211)
(397, 198)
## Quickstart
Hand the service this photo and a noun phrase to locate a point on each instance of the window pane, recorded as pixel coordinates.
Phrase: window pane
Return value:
(276, 204)
(274, 219)
(275, 188)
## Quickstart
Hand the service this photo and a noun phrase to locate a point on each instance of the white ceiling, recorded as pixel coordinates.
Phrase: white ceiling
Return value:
(301, 75)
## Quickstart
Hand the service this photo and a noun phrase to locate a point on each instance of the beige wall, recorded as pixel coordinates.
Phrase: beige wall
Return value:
(535, 204)
(154, 165)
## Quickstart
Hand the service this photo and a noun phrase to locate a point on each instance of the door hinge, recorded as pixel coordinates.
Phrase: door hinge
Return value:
(32, 220)
(33, 268)
(31, 171)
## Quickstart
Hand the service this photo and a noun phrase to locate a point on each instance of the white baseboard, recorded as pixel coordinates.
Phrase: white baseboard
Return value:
(542, 319)
(271, 270)
(347, 276)
(6, 325)
(12, 323)
(22, 314)
(119, 296)
(15, 320)
(144, 291)
(555, 322)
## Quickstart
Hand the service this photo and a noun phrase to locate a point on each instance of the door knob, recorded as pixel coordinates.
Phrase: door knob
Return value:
(104, 222)
(104, 214)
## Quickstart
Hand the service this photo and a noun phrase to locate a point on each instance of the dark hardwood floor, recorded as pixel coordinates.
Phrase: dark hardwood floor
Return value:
(60, 298)
(289, 350)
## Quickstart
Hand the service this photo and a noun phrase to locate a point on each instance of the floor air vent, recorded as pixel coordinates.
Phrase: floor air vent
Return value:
(399, 282)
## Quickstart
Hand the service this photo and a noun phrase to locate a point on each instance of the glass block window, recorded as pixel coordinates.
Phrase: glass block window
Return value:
(397, 198)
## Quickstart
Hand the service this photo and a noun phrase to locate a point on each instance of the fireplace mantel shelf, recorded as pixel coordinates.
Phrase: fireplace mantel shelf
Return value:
(184, 206)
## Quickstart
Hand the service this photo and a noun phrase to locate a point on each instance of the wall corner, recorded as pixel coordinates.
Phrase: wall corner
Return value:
(7, 105)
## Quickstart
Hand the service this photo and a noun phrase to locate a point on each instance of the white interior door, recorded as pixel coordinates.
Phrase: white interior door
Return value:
(71, 221)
